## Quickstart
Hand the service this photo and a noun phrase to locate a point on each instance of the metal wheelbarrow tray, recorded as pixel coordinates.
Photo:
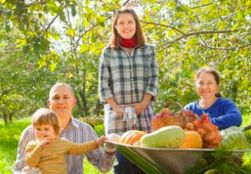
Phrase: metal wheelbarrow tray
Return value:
(164, 160)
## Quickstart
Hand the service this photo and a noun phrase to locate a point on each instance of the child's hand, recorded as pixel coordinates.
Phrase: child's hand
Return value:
(101, 140)
(45, 141)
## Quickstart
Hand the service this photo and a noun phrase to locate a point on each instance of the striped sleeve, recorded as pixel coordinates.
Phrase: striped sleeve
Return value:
(99, 158)
(104, 77)
(27, 136)
(152, 83)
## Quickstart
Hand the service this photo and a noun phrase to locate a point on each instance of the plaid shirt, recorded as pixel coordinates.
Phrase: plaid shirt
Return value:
(77, 132)
(127, 78)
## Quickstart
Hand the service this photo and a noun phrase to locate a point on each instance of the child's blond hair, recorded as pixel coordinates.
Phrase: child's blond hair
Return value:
(46, 116)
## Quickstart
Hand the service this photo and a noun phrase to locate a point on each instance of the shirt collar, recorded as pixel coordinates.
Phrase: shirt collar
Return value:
(73, 123)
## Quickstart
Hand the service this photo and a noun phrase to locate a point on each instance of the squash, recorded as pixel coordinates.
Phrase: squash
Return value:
(131, 137)
(235, 140)
(192, 140)
(168, 136)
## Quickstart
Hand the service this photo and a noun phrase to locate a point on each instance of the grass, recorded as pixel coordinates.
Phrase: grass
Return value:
(9, 136)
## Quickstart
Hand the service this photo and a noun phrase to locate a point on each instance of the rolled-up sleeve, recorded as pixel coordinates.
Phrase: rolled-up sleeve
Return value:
(99, 158)
(152, 84)
(27, 136)
(104, 77)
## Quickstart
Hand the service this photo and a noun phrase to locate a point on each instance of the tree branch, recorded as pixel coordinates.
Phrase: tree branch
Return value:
(163, 25)
(192, 34)
(88, 30)
(52, 21)
(203, 5)
(127, 1)
(11, 51)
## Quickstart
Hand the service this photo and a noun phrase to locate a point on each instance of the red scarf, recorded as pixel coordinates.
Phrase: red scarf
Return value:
(127, 43)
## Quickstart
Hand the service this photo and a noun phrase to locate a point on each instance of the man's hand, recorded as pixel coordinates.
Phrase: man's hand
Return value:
(109, 147)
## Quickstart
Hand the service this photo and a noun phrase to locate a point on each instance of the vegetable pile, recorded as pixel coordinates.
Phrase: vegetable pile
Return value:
(185, 130)
(207, 130)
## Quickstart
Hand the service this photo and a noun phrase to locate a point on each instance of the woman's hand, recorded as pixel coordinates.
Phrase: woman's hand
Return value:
(139, 108)
(119, 111)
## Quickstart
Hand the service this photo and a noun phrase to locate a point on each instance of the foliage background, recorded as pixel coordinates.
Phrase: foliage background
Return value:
(42, 42)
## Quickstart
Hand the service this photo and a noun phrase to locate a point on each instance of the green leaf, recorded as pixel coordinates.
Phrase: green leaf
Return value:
(70, 32)
(21, 42)
(62, 16)
(73, 10)
(53, 67)
(85, 22)
(83, 48)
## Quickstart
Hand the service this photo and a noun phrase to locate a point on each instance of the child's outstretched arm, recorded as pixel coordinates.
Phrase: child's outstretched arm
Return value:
(101, 140)
(82, 148)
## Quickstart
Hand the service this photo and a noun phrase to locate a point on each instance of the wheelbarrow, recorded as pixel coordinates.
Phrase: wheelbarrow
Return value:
(163, 160)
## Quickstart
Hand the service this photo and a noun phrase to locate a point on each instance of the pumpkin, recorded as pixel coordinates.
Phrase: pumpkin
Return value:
(192, 140)
(131, 137)
(168, 136)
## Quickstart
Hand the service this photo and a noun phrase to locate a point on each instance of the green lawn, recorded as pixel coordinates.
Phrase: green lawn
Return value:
(10, 134)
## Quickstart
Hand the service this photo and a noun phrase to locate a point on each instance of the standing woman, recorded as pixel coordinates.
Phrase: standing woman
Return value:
(221, 111)
(127, 78)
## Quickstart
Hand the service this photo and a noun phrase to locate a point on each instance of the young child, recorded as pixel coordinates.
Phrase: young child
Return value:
(48, 151)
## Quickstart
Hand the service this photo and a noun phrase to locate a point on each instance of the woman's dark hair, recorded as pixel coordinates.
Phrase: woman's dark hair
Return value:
(214, 73)
(114, 40)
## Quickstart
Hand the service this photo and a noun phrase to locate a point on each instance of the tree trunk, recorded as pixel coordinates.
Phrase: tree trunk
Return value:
(97, 108)
(5, 118)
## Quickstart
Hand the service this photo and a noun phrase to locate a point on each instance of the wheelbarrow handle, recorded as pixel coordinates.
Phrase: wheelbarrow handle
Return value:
(246, 128)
